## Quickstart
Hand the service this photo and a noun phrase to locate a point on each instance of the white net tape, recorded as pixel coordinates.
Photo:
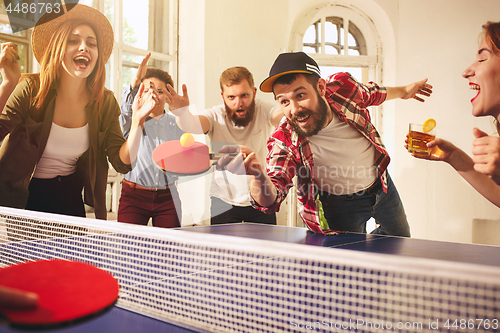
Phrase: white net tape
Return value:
(229, 284)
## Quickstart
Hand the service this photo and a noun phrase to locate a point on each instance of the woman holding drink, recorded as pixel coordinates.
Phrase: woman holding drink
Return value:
(483, 170)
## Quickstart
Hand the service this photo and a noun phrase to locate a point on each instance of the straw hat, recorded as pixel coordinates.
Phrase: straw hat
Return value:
(49, 23)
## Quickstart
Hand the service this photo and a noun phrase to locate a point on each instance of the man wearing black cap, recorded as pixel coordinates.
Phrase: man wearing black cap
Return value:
(329, 143)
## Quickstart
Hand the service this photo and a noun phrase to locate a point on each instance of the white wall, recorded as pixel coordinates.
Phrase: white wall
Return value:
(195, 203)
(437, 39)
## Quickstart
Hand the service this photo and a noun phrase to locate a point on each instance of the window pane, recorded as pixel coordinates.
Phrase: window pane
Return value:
(130, 64)
(89, 3)
(356, 72)
(308, 49)
(7, 29)
(352, 40)
(136, 23)
(109, 10)
(310, 35)
(127, 75)
(133, 59)
(330, 50)
(331, 33)
(353, 52)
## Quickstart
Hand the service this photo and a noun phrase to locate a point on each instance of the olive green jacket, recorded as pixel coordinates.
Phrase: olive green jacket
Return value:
(24, 139)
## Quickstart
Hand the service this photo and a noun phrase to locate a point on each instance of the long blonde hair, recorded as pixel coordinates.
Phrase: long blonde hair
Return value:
(51, 66)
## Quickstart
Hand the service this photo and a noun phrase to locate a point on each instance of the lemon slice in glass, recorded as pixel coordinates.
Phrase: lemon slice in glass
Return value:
(428, 125)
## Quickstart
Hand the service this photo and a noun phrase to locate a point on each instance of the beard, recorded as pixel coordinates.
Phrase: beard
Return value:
(317, 118)
(245, 119)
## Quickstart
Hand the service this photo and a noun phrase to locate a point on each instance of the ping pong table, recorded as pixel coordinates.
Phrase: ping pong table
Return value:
(122, 320)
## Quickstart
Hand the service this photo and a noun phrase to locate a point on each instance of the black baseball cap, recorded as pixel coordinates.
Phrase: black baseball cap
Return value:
(287, 63)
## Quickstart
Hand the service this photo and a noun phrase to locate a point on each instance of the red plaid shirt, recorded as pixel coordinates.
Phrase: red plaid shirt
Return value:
(291, 155)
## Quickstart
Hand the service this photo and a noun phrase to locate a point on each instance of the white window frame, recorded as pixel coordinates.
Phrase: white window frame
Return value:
(171, 25)
(371, 61)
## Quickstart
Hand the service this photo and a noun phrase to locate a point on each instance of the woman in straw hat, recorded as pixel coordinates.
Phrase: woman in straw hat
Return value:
(59, 127)
(482, 171)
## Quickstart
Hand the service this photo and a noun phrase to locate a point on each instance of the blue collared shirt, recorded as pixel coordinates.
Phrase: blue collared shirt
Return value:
(156, 130)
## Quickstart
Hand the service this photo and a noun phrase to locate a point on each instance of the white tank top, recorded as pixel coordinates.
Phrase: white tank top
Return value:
(64, 147)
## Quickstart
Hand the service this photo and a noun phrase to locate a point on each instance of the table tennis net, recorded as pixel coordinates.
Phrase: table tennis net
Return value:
(228, 284)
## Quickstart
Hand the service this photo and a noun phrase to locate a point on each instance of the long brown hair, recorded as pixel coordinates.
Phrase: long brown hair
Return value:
(50, 68)
(491, 33)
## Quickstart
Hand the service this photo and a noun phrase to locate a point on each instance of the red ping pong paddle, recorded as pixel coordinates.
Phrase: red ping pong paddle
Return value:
(174, 158)
(68, 291)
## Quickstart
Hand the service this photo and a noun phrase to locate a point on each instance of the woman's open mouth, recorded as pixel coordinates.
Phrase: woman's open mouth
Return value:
(474, 86)
(82, 62)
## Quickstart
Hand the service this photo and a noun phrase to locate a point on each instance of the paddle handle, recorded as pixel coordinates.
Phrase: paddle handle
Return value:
(217, 156)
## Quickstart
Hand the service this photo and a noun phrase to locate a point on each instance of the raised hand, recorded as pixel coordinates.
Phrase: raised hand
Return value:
(9, 68)
(245, 163)
(417, 88)
(486, 151)
(175, 101)
(144, 102)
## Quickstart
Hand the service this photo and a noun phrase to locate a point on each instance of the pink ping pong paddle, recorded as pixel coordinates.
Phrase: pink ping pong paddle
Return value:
(176, 159)
(68, 291)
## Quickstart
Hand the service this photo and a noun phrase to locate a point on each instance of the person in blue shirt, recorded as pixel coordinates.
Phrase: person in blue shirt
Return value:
(147, 192)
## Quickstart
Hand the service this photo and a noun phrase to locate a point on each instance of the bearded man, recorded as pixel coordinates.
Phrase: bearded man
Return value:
(240, 120)
(329, 143)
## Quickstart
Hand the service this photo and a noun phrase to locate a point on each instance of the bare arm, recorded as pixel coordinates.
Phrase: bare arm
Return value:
(195, 124)
(10, 71)
(128, 97)
(480, 181)
(179, 106)
(410, 91)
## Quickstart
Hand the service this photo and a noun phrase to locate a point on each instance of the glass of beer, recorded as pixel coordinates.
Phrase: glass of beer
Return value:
(418, 138)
